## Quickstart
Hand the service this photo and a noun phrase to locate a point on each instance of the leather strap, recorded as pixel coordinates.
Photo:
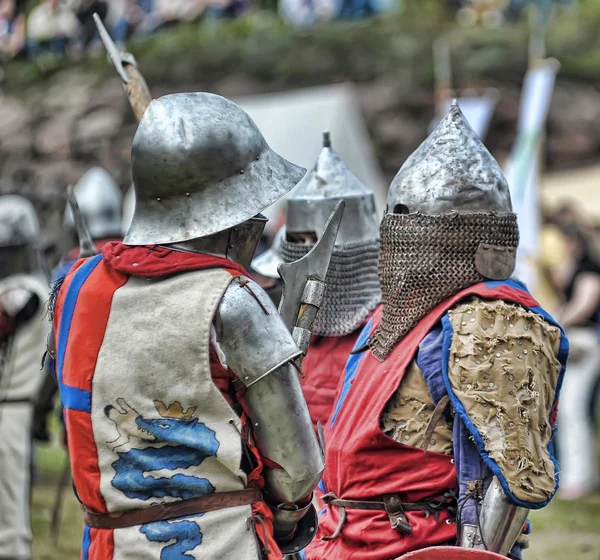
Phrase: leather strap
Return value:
(164, 512)
(393, 506)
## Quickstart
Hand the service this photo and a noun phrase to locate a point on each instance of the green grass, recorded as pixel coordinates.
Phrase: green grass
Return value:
(562, 531)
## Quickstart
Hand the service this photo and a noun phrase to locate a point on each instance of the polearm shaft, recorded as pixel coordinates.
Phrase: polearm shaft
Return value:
(135, 86)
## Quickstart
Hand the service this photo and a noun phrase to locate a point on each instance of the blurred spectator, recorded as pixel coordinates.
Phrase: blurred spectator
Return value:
(12, 29)
(84, 10)
(579, 276)
(137, 17)
(51, 26)
(171, 11)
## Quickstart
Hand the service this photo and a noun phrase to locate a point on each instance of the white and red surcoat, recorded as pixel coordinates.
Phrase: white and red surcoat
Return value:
(149, 407)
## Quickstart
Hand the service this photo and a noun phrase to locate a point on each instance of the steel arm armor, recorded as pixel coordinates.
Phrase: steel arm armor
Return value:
(259, 349)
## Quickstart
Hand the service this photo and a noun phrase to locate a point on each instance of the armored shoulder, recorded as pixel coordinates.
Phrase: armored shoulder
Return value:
(504, 370)
(251, 333)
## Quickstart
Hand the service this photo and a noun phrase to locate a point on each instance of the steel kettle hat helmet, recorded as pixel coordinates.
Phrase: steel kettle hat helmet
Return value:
(201, 166)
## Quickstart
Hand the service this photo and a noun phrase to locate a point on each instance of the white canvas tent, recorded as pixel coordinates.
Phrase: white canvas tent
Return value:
(293, 122)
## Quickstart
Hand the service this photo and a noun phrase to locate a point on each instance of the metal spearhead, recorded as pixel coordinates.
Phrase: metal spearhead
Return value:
(86, 244)
(304, 282)
(126, 66)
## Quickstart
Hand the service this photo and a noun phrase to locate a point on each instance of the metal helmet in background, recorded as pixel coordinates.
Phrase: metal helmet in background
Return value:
(352, 290)
(99, 200)
(448, 225)
(128, 209)
(19, 235)
(203, 173)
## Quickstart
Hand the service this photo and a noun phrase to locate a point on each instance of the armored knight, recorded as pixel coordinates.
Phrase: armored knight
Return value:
(352, 286)
(443, 423)
(176, 366)
(23, 292)
(99, 200)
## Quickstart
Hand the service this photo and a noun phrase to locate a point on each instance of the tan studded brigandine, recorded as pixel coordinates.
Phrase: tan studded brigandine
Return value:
(504, 369)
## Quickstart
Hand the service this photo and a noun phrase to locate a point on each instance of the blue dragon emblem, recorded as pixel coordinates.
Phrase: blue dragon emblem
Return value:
(175, 440)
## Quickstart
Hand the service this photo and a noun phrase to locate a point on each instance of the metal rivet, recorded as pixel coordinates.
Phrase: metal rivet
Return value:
(512, 461)
(479, 349)
(158, 198)
(246, 378)
(484, 328)
(485, 356)
(422, 415)
(516, 385)
(511, 325)
(257, 158)
(525, 351)
(312, 529)
(118, 257)
(492, 384)
(473, 320)
(432, 442)
(498, 354)
(463, 323)
(511, 424)
(520, 343)
(256, 424)
(470, 312)
(511, 392)
(187, 194)
(452, 461)
(406, 438)
(449, 521)
(457, 360)
(485, 405)
(134, 264)
(506, 350)
(469, 386)
(477, 361)
(511, 377)
(519, 356)
(463, 379)
(242, 171)
(486, 377)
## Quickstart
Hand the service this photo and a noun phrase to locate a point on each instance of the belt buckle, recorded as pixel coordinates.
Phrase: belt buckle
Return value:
(397, 515)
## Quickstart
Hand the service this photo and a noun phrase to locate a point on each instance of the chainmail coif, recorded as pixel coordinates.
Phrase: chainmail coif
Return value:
(426, 259)
(352, 290)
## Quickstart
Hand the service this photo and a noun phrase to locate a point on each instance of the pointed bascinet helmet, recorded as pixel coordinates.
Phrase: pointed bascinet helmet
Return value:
(201, 166)
(450, 170)
(315, 198)
(448, 225)
(99, 199)
(352, 285)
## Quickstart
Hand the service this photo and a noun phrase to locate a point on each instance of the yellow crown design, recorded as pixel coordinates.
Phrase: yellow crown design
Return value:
(174, 410)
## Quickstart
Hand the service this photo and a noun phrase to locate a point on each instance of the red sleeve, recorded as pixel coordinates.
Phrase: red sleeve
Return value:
(221, 377)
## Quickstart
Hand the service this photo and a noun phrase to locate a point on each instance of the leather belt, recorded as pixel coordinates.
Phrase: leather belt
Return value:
(393, 506)
(164, 512)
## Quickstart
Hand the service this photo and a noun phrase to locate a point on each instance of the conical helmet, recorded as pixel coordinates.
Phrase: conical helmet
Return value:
(99, 200)
(448, 225)
(328, 182)
(352, 285)
(201, 166)
(450, 170)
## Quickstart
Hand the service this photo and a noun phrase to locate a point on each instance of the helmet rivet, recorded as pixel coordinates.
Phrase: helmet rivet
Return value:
(187, 194)
(242, 171)
(158, 198)
(257, 158)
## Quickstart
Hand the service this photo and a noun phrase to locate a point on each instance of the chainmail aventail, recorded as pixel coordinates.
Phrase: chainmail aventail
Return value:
(426, 259)
(352, 290)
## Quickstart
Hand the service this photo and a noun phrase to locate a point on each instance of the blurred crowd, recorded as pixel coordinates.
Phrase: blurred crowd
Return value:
(66, 26)
(570, 275)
